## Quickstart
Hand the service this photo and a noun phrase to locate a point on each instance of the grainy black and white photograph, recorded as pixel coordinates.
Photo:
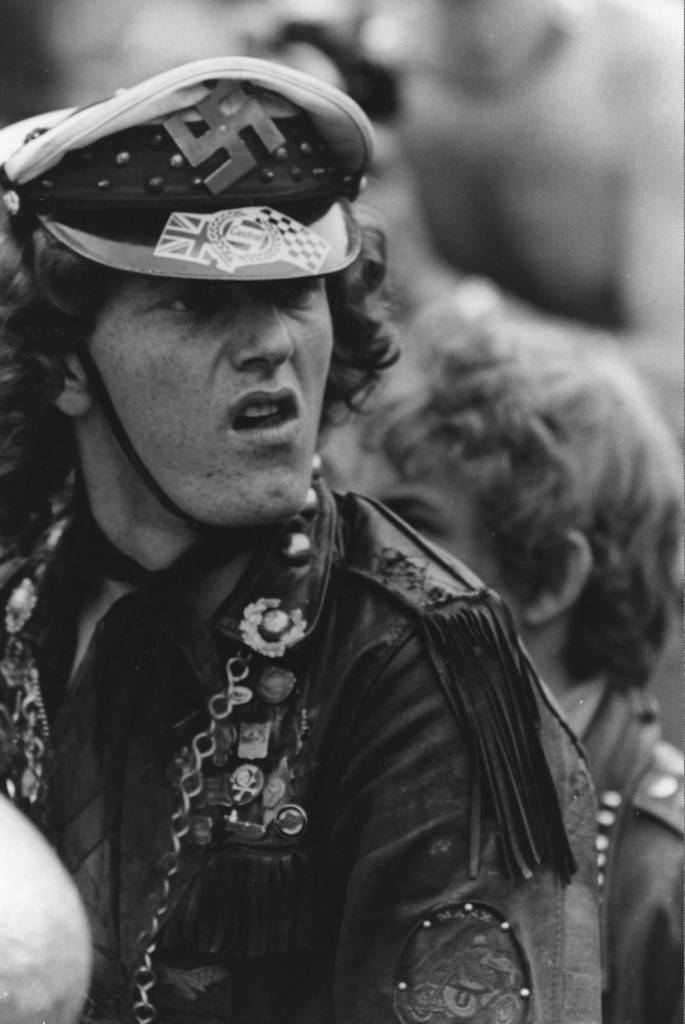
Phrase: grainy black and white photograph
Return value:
(341, 511)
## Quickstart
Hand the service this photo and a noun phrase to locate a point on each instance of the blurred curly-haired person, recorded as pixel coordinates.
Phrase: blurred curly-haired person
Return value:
(299, 768)
(533, 453)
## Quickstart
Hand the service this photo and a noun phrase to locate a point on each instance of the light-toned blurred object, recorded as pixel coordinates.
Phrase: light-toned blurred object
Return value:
(26, 74)
(100, 46)
(546, 139)
(44, 938)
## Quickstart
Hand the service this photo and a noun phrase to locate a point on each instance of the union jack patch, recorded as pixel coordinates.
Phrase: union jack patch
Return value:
(249, 236)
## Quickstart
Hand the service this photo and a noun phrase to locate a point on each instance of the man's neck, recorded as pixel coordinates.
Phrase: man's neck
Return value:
(134, 522)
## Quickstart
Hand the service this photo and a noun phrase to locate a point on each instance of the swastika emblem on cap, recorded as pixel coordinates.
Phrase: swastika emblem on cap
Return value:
(223, 134)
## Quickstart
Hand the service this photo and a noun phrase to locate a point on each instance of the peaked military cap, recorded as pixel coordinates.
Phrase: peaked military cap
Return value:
(227, 168)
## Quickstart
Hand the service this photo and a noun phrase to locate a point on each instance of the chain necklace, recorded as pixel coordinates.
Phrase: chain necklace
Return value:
(202, 746)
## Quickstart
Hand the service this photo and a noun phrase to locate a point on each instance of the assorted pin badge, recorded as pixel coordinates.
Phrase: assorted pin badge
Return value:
(247, 797)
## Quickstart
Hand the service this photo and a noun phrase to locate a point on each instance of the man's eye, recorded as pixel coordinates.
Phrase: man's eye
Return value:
(298, 293)
(200, 299)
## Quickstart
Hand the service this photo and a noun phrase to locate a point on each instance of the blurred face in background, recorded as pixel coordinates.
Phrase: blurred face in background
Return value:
(432, 497)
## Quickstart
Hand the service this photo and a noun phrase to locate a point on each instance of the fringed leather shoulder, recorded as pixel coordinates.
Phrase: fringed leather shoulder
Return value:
(491, 687)
(486, 678)
(381, 546)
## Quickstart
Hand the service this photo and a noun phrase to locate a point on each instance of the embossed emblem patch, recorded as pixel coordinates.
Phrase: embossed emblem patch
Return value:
(463, 963)
(192, 984)
(249, 236)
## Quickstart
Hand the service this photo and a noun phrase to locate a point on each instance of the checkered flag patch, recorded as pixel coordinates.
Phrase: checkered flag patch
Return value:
(304, 247)
(249, 236)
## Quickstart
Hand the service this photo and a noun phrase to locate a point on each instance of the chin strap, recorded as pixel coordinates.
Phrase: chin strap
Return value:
(99, 388)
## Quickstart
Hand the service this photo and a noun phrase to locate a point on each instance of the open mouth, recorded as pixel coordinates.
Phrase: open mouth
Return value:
(261, 413)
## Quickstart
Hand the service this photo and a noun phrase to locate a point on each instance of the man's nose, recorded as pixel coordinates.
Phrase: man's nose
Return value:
(264, 340)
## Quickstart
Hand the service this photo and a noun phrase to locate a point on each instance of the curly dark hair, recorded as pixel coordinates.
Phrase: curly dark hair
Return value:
(547, 430)
(49, 302)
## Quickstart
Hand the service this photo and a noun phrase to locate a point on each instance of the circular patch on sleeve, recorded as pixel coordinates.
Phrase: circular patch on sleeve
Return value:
(463, 963)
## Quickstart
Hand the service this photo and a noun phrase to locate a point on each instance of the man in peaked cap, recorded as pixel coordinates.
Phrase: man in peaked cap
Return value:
(296, 760)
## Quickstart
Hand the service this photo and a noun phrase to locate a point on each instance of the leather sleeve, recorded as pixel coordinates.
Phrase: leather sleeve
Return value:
(420, 939)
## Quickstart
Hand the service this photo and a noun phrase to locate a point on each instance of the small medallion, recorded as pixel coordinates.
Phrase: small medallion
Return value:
(254, 740)
(247, 782)
(30, 785)
(291, 820)
(20, 606)
(226, 737)
(275, 685)
(200, 830)
(274, 791)
(216, 790)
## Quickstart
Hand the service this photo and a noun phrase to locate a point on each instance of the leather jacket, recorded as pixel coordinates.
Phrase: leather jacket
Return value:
(639, 782)
(381, 816)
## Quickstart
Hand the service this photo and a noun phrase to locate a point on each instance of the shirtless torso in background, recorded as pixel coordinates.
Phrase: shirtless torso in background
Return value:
(546, 142)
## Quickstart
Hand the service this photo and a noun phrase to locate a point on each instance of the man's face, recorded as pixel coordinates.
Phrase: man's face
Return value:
(220, 388)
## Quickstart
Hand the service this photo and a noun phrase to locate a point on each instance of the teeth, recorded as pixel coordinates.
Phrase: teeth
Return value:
(257, 410)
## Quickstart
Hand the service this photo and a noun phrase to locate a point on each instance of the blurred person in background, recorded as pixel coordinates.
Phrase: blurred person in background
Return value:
(355, 46)
(535, 455)
(44, 939)
(547, 146)
(95, 45)
(26, 72)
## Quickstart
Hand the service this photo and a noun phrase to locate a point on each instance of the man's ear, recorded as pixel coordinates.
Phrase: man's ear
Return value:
(551, 604)
(75, 397)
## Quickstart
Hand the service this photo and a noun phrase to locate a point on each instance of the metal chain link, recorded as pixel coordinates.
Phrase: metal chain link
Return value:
(202, 747)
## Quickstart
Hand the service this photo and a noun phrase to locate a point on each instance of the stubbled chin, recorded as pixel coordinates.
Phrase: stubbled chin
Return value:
(272, 505)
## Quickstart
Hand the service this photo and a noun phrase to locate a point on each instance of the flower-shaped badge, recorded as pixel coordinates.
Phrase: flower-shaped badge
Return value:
(269, 629)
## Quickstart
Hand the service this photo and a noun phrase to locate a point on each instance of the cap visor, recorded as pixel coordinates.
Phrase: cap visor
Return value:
(253, 243)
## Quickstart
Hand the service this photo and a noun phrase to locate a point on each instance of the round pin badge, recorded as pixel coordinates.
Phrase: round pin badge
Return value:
(291, 820)
(275, 685)
(246, 782)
